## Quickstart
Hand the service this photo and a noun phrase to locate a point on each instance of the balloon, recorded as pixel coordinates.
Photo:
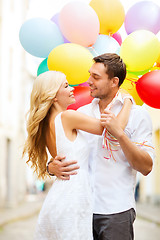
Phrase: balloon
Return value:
(140, 50)
(117, 37)
(129, 85)
(56, 21)
(111, 15)
(138, 74)
(154, 68)
(158, 61)
(73, 60)
(82, 96)
(39, 36)
(148, 88)
(143, 15)
(104, 44)
(79, 23)
(85, 84)
(43, 67)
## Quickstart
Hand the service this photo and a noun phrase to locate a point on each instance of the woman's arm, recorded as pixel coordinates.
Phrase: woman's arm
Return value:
(123, 115)
(76, 120)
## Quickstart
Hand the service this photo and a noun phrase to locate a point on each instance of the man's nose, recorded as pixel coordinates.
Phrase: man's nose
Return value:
(89, 81)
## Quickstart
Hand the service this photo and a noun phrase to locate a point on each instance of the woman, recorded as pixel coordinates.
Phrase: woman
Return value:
(67, 209)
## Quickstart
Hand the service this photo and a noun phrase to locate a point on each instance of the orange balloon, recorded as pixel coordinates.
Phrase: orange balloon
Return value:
(111, 15)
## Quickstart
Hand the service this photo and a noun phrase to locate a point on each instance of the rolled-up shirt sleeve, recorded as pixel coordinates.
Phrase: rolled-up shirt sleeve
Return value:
(142, 131)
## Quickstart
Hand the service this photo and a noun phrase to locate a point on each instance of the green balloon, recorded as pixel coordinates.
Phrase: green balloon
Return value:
(139, 73)
(43, 67)
(73, 85)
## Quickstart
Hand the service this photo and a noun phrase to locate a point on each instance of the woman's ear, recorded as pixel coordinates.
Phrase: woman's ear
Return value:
(55, 100)
(115, 82)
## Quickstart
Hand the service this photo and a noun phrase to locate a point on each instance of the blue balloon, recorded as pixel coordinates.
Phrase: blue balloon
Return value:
(104, 44)
(39, 36)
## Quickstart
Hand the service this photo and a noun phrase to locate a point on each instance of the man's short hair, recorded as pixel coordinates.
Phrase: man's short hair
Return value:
(115, 67)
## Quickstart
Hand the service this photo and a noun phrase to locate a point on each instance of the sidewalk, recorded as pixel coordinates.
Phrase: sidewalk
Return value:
(33, 204)
(28, 208)
(149, 212)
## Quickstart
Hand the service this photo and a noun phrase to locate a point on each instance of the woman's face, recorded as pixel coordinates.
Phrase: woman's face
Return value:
(65, 95)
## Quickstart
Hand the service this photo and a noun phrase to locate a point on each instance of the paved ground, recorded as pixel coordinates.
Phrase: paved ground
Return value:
(145, 230)
(19, 223)
(24, 230)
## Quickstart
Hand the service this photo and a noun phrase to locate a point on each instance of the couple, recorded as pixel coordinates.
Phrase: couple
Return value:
(67, 210)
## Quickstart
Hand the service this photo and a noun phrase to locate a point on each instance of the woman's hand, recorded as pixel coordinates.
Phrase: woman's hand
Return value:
(110, 122)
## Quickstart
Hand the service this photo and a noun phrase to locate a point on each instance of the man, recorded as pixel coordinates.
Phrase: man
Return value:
(113, 168)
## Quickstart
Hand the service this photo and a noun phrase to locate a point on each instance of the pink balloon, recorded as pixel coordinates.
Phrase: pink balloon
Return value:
(85, 84)
(79, 23)
(143, 15)
(117, 37)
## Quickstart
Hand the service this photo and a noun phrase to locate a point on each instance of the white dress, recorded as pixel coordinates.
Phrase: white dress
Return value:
(67, 210)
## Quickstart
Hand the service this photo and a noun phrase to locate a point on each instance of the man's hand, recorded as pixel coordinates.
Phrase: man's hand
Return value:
(109, 121)
(62, 169)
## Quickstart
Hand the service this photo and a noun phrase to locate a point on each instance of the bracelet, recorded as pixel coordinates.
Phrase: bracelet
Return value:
(51, 174)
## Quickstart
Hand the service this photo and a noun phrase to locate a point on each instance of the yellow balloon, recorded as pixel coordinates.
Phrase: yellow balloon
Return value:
(140, 50)
(111, 15)
(129, 85)
(73, 60)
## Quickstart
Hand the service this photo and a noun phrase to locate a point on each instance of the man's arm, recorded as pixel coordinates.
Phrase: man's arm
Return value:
(138, 158)
(62, 169)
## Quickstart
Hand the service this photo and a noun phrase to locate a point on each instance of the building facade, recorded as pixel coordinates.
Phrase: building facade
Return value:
(13, 83)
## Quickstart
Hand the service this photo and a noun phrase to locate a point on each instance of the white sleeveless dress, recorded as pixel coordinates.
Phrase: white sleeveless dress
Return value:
(67, 210)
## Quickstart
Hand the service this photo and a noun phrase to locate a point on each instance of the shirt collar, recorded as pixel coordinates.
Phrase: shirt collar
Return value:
(95, 104)
(119, 98)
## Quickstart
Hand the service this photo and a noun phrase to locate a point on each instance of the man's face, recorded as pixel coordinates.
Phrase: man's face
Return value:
(99, 82)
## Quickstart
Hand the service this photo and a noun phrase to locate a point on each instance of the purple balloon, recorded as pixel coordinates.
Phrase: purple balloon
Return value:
(56, 21)
(143, 15)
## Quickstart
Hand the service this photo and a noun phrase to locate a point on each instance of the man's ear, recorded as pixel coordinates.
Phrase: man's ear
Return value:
(115, 82)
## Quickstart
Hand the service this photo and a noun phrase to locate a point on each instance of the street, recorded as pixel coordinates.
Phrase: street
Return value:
(24, 229)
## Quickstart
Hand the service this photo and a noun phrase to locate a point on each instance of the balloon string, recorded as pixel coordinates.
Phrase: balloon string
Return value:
(110, 142)
(143, 144)
(132, 82)
(108, 139)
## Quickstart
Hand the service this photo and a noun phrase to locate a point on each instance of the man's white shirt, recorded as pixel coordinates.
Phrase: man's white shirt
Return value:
(113, 180)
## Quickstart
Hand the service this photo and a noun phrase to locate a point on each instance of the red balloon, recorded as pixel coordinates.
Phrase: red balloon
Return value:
(148, 88)
(82, 96)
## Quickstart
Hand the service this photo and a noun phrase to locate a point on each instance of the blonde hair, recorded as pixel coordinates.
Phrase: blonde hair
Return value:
(43, 92)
